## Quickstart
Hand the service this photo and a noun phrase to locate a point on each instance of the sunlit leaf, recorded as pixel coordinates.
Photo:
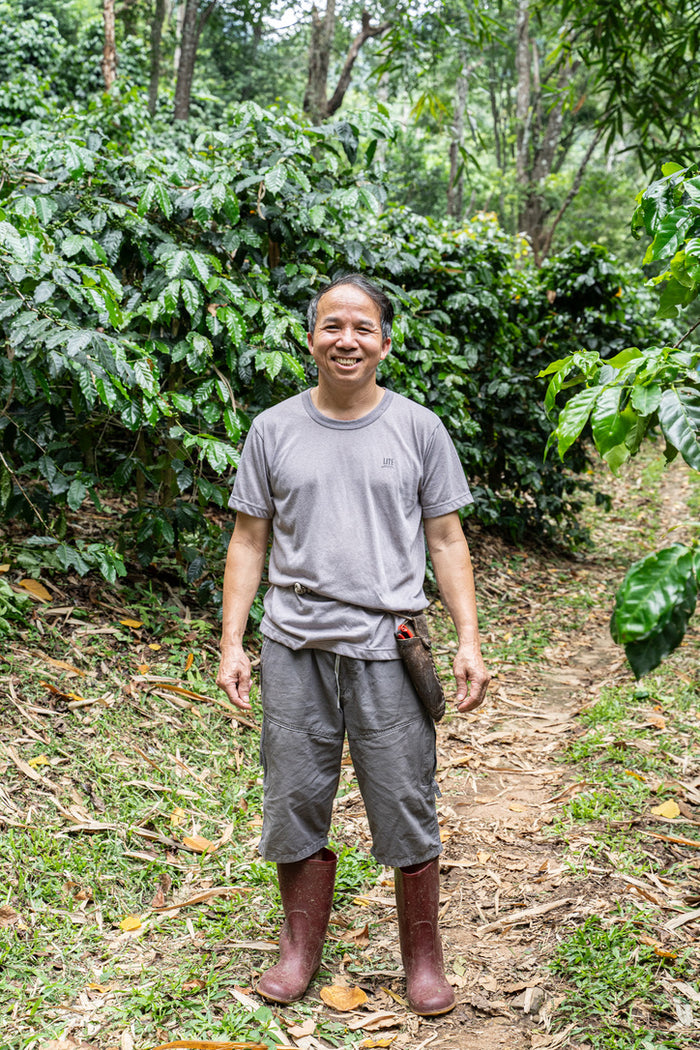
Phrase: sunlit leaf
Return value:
(342, 998)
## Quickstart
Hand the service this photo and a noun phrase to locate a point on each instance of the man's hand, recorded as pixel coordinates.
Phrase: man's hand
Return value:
(234, 675)
(472, 678)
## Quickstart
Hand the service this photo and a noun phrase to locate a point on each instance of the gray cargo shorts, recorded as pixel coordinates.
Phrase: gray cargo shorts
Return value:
(310, 699)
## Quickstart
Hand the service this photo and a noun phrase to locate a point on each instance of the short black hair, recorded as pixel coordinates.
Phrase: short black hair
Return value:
(382, 301)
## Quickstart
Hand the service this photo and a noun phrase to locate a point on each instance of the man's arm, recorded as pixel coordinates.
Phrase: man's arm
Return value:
(453, 570)
(245, 562)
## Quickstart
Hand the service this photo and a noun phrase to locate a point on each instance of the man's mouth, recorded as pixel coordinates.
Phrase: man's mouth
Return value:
(346, 361)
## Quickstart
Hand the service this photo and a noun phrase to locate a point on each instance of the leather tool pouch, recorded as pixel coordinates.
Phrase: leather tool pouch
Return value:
(416, 652)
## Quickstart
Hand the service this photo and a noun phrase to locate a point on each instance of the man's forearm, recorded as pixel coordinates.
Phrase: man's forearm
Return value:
(455, 579)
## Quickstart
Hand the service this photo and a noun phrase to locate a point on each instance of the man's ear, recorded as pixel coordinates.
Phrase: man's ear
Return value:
(386, 347)
(310, 341)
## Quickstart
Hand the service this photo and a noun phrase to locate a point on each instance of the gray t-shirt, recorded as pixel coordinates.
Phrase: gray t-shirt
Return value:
(346, 499)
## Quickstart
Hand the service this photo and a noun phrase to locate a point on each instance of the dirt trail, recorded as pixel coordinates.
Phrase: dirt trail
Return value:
(503, 783)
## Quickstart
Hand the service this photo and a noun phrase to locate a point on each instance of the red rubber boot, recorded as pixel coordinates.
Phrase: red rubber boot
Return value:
(417, 902)
(306, 887)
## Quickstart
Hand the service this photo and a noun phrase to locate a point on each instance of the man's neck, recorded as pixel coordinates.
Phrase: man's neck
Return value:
(346, 405)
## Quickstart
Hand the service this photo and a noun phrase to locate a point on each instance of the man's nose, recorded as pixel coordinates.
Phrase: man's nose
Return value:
(347, 336)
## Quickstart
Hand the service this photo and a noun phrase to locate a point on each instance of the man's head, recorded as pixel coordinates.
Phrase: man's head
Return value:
(381, 301)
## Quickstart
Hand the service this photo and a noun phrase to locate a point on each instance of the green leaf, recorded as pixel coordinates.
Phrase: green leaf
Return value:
(275, 178)
(146, 199)
(646, 399)
(191, 296)
(163, 200)
(679, 418)
(76, 493)
(652, 589)
(573, 418)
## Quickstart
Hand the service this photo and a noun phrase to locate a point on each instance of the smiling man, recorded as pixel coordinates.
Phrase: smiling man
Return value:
(354, 480)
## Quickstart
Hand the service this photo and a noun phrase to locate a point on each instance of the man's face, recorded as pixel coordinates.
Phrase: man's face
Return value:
(347, 343)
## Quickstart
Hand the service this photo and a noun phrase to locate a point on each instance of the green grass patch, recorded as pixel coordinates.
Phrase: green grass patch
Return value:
(616, 980)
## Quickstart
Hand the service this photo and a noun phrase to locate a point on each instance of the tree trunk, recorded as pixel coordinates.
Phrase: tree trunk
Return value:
(317, 105)
(455, 187)
(109, 52)
(522, 100)
(192, 25)
(322, 32)
(156, 36)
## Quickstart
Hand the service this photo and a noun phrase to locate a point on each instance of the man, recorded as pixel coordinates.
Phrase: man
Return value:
(354, 479)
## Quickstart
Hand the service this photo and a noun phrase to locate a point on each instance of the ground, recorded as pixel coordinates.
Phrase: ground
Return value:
(136, 914)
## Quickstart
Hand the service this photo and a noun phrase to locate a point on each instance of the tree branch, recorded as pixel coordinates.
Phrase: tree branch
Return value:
(367, 31)
(575, 186)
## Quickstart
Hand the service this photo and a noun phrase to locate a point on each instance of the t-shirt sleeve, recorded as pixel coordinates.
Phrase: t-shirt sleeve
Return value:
(251, 488)
(444, 486)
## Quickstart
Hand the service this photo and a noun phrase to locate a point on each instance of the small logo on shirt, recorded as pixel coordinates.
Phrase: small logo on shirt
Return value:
(387, 462)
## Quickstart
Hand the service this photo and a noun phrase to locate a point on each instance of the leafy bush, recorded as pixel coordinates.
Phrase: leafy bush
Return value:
(153, 282)
(637, 392)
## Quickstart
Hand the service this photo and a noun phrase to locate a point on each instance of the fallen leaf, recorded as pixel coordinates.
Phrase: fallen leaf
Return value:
(131, 623)
(60, 692)
(189, 661)
(377, 1042)
(198, 844)
(130, 922)
(40, 760)
(61, 664)
(359, 936)
(300, 1030)
(483, 857)
(657, 721)
(154, 646)
(177, 816)
(341, 998)
(36, 590)
(669, 809)
(373, 1022)
(517, 807)
(143, 669)
(664, 954)
(8, 916)
(4, 568)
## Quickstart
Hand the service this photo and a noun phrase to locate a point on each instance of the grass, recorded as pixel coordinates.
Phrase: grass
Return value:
(618, 972)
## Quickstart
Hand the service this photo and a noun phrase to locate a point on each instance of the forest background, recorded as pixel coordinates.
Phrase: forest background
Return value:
(178, 179)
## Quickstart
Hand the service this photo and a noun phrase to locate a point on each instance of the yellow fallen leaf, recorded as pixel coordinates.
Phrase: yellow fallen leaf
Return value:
(631, 773)
(377, 1042)
(40, 760)
(154, 646)
(177, 816)
(62, 664)
(131, 623)
(445, 834)
(4, 568)
(664, 953)
(189, 661)
(130, 922)
(143, 668)
(669, 808)
(198, 844)
(342, 998)
(61, 693)
(517, 807)
(36, 589)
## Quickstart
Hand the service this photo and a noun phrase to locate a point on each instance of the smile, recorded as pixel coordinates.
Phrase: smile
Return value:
(345, 361)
